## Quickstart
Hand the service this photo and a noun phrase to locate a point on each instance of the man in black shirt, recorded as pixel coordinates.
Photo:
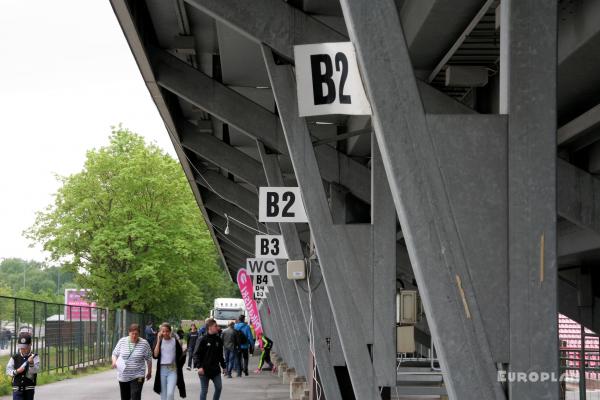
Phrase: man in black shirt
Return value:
(208, 358)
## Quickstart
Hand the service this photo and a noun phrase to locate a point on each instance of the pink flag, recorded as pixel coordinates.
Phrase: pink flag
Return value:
(245, 284)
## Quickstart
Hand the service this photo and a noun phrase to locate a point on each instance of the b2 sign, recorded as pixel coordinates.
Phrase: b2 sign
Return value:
(270, 246)
(280, 204)
(328, 80)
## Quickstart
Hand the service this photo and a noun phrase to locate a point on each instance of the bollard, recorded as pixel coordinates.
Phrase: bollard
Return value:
(281, 370)
(297, 387)
(289, 374)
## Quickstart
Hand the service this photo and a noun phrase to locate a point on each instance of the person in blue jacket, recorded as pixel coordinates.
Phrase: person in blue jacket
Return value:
(245, 343)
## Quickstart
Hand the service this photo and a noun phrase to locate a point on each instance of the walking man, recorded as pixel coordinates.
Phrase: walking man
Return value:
(246, 344)
(265, 356)
(208, 358)
(191, 344)
(230, 346)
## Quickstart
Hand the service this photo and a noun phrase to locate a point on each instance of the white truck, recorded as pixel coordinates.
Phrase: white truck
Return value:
(226, 310)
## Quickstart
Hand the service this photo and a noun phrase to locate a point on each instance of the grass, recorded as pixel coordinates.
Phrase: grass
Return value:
(49, 377)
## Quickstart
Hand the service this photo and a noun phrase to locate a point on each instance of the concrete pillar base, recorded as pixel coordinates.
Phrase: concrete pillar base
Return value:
(297, 387)
(281, 370)
(289, 374)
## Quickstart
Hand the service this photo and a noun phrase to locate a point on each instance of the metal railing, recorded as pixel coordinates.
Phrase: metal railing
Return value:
(64, 336)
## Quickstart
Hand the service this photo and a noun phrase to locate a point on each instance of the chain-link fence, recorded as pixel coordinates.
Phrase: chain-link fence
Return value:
(64, 336)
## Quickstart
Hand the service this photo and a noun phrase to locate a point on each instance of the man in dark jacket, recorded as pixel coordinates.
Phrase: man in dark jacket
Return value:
(191, 344)
(208, 358)
(230, 346)
(246, 344)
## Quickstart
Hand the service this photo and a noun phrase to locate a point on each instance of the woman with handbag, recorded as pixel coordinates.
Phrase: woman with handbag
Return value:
(169, 366)
(133, 359)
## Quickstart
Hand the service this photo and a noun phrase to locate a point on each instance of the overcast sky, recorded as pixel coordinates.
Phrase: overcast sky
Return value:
(66, 76)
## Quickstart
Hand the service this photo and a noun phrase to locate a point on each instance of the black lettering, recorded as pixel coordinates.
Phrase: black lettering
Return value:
(340, 58)
(271, 269)
(319, 79)
(275, 243)
(264, 246)
(290, 198)
(272, 207)
(255, 266)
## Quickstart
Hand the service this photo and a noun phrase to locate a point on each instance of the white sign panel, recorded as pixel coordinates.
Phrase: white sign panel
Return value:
(328, 80)
(262, 280)
(260, 266)
(260, 294)
(270, 246)
(281, 204)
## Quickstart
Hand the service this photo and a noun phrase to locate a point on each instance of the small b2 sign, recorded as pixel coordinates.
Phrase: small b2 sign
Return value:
(270, 246)
(328, 80)
(280, 204)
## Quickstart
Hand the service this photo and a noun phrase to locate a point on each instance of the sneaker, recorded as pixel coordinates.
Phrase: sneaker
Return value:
(229, 376)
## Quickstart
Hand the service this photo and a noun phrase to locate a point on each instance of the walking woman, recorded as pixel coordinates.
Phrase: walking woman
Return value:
(133, 359)
(169, 366)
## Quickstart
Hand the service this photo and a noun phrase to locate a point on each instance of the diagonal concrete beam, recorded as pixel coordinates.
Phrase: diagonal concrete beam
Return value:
(222, 154)
(301, 301)
(255, 121)
(234, 243)
(335, 250)
(230, 191)
(579, 196)
(222, 207)
(421, 199)
(288, 26)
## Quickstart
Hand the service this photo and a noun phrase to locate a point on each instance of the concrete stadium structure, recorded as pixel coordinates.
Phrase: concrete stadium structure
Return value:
(478, 190)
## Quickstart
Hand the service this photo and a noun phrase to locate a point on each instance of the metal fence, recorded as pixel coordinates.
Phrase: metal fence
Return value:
(64, 336)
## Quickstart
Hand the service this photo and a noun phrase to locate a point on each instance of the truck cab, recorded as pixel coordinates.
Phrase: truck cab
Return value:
(226, 310)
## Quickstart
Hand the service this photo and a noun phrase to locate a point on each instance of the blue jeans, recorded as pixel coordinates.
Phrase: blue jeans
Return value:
(204, 386)
(168, 381)
(23, 395)
(230, 358)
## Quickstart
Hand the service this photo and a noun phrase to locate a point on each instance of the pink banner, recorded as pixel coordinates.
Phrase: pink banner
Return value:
(244, 282)
(80, 307)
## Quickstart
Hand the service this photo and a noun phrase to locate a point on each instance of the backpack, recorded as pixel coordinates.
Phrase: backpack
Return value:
(242, 339)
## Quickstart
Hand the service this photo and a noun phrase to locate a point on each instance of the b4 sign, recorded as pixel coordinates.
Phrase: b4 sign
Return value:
(328, 80)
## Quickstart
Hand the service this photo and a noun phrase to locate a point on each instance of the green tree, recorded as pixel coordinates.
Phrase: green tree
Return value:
(129, 225)
(34, 280)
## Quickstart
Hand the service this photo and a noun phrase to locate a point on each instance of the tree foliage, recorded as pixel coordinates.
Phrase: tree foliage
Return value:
(34, 280)
(129, 224)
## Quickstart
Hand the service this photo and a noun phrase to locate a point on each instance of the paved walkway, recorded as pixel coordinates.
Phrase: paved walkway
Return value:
(104, 386)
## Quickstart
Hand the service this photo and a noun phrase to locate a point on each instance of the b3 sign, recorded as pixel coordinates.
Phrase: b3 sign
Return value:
(328, 80)
(280, 204)
(270, 246)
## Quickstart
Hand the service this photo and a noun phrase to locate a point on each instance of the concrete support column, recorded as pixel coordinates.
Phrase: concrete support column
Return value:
(528, 82)
(335, 250)
(294, 249)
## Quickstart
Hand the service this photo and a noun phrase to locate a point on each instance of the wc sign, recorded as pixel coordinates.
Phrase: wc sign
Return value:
(259, 266)
(270, 246)
(328, 80)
